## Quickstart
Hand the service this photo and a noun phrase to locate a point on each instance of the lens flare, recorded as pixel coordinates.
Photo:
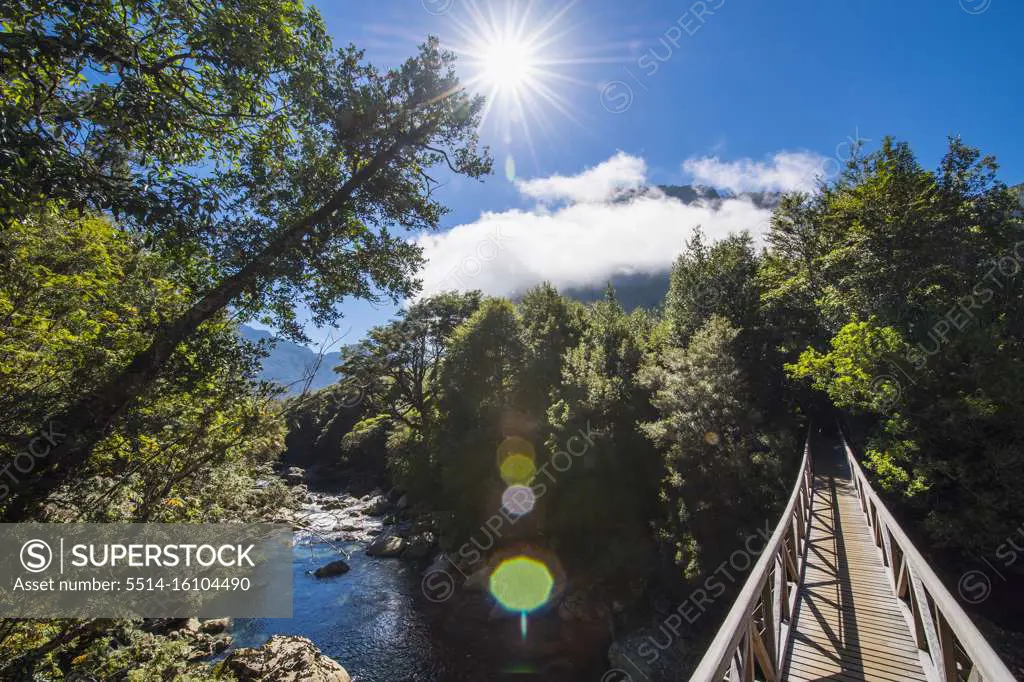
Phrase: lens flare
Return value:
(517, 469)
(516, 459)
(518, 500)
(521, 584)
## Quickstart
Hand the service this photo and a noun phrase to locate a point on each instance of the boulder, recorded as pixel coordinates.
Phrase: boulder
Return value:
(186, 628)
(294, 475)
(205, 646)
(419, 546)
(386, 546)
(332, 569)
(215, 626)
(285, 658)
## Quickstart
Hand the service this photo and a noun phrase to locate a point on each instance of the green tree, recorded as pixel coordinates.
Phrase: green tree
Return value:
(716, 279)
(394, 375)
(722, 459)
(76, 295)
(480, 404)
(604, 491)
(107, 105)
(301, 217)
(551, 326)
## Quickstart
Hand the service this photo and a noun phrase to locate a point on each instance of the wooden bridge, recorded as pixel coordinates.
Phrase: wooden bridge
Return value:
(840, 593)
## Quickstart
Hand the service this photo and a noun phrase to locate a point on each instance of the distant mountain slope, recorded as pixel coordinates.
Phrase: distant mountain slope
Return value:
(691, 194)
(289, 363)
(640, 290)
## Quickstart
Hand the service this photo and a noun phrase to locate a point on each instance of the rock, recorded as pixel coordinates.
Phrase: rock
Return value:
(285, 658)
(187, 628)
(163, 626)
(419, 546)
(332, 569)
(374, 531)
(403, 502)
(215, 626)
(294, 475)
(206, 646)
(386, 546)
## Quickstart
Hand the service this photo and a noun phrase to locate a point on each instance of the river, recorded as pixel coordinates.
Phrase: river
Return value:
(375, 621)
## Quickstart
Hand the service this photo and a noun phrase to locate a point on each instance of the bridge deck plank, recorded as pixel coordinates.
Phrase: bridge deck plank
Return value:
(849, 625)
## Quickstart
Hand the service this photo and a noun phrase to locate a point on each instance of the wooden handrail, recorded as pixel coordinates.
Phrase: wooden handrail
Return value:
(950, 646)
(756, 630)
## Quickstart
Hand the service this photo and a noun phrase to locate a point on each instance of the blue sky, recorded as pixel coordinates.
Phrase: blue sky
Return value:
(736, 93)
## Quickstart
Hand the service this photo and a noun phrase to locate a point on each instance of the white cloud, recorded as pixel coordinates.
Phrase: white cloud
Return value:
(580, 244)
(604, 181)
(784, 172)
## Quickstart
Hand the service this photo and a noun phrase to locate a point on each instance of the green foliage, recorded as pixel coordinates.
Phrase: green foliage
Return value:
(100, 649)
(105, 105)
(78, 296)
(480, 400)
(854, 373)
(722, 459)
(708, 280)
(600, 507)
(551, 325)
(912, 278)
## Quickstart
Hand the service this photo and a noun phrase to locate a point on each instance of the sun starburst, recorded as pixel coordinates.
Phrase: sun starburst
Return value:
(511, 57)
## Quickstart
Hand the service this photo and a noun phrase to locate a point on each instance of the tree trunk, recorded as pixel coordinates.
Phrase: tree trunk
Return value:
(92, 417)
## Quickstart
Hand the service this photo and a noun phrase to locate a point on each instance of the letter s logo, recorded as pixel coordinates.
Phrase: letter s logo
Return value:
(36, 556)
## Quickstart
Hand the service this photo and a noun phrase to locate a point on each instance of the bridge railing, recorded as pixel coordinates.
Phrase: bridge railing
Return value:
(951, 646)
(752, 641)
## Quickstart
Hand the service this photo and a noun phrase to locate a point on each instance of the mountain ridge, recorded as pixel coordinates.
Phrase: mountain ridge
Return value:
(289, 364)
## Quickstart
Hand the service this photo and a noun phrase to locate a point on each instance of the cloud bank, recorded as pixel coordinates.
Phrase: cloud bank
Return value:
(602, 231)
(784, 172)
(603, 182)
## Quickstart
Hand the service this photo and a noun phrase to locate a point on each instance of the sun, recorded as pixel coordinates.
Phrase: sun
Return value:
(508, 65)
(511, 56)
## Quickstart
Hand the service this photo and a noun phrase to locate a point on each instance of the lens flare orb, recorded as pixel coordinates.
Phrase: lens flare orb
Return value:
(522, 584)
(518, 500)
(516, 459)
